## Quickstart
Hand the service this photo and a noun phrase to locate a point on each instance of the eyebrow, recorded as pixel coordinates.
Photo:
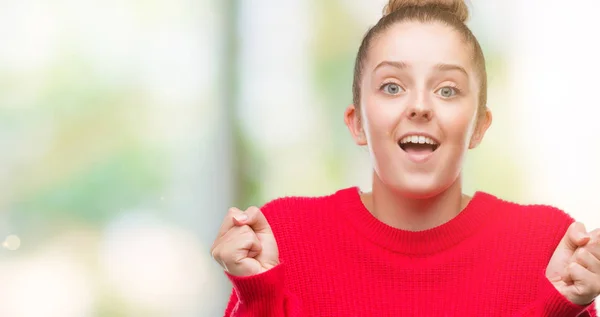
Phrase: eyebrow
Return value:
(399, 65)
(452, 67)
(441, 67)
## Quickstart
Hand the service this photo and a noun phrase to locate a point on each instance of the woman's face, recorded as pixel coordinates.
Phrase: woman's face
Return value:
(418, 111)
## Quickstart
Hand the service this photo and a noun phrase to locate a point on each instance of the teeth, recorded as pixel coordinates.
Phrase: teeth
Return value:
(417, 139)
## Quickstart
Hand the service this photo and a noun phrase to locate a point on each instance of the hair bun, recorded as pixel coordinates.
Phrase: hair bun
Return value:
(458, 8)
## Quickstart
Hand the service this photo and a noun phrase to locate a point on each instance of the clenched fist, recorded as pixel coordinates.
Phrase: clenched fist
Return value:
(574, 268)
(245, 244)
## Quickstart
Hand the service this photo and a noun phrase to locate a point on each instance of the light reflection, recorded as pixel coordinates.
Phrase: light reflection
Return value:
(155, 267)
(52, 283)
(12, 243)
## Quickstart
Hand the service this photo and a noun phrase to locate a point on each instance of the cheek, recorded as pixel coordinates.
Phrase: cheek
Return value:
(458, 125)
(379, 118)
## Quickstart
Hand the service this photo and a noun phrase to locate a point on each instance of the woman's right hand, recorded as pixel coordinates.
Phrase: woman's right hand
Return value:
(245, 244)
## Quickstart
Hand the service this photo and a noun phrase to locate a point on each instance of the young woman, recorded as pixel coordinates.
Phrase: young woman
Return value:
(415, 245)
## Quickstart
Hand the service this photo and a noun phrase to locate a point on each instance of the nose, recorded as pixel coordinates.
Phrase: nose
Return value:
(420, 112)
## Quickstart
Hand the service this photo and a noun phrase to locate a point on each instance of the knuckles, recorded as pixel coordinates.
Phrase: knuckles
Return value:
(235, 238)
(253, 210)
(581, 254)
(232, 212)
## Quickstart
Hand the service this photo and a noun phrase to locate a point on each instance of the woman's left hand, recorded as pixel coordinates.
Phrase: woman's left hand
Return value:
(582, 275)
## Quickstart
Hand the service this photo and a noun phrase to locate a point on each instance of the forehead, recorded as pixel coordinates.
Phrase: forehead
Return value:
(421, 45)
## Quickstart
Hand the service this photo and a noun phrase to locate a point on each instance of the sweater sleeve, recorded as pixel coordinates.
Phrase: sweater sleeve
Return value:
(551, 303)
(262, 295)
(267, 294)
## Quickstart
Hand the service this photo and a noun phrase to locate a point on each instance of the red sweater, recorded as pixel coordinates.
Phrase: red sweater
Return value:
(339, 260)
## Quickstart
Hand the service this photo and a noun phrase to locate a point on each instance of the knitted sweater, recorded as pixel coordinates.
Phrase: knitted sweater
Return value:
(337, 259)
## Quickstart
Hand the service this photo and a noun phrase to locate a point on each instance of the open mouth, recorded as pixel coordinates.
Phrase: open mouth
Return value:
(418, 144)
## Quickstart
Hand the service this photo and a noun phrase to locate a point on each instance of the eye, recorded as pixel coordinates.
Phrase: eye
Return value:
(392, 89)
(447, 92)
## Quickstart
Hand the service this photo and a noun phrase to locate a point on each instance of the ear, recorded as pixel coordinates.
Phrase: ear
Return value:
(483, 123)
(354, 124)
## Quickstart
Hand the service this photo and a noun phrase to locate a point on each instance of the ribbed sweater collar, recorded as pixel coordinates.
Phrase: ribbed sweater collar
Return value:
(471, 219)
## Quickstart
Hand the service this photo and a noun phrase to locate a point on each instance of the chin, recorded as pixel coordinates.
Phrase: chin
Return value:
(418, 187)
(419, 192)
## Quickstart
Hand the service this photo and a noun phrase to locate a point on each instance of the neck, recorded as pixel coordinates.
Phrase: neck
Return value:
(413, 214)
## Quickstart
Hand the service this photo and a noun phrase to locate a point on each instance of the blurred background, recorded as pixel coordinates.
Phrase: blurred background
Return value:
(128, 127)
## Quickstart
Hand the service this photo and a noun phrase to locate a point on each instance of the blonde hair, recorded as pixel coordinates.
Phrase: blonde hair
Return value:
(453, 13)
(458, 8)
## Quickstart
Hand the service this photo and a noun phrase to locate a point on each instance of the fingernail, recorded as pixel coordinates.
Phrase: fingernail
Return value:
(241, 218)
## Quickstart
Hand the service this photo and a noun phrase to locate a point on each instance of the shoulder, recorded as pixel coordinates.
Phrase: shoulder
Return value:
(532, 221)
(297, 220)
(304, 206)
(523, 213)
